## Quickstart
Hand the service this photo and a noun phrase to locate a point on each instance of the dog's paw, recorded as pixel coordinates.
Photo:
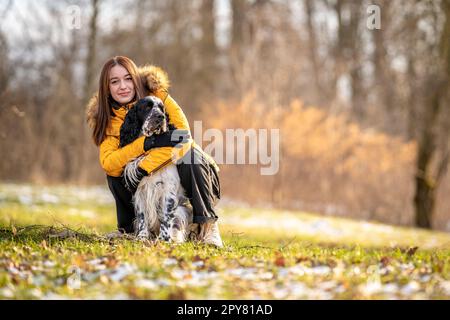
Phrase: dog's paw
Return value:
(177, 236)
(142, 236)
(164, 238)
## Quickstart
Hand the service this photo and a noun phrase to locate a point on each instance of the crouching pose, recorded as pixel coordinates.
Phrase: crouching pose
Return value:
(121, 85)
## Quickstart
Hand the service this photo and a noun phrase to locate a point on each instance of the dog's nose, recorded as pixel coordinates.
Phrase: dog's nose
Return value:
(160, 116)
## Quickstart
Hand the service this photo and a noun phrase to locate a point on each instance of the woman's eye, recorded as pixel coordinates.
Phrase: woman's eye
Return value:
(129, 79)
(114, 82)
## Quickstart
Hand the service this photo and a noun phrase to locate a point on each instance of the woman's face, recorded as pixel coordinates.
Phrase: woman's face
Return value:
(121, 85)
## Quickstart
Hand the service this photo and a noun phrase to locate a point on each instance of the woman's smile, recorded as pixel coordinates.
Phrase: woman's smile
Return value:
(121, 84)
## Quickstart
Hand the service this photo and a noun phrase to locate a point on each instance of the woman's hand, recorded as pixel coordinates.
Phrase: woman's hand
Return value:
(167, 139)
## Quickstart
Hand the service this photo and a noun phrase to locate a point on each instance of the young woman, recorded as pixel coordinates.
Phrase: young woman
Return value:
(121, 84)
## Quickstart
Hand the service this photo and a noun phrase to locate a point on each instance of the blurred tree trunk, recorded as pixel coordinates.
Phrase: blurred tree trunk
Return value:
(348, 52)
(355, 46)
(5, 70)
(384, 88)
(339, 46)
(426, 182)
(238, 9)
(140, 27)
(5, 74)
(4, 65)
(208, 50)
(412, 99)
(238, 45)
(438, 86)
(83, 172)
(90, 57)
(313, 51)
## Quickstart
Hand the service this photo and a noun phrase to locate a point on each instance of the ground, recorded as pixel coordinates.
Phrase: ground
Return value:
(52, 246)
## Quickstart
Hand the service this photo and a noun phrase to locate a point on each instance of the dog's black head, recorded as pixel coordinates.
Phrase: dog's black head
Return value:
(145, 105)
(132, 126)
(156, 121)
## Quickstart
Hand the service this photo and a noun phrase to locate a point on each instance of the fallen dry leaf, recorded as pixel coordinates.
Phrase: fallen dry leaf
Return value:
(111, 262)
(301, 259)
(44, 244)
(79, 261)
(411, 251)
(385, 261)
(279, 260)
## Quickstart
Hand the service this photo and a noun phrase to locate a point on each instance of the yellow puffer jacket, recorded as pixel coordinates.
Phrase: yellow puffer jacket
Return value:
(113, 159)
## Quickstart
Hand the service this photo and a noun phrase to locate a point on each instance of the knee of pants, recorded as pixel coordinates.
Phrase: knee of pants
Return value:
(124, 206)
(118, 189)
(115, 183)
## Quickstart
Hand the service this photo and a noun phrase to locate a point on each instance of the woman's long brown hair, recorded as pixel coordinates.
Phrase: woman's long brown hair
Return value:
(104, 111)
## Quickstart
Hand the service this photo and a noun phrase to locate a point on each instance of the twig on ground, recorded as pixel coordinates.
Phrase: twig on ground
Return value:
(288, 244)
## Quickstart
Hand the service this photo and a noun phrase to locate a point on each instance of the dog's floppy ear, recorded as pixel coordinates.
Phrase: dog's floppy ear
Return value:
(170, 126)
(143, 102)
(130, 129)
(144, 106)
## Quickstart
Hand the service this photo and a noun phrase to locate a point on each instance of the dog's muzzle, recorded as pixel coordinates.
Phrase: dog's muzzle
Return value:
(155, 123)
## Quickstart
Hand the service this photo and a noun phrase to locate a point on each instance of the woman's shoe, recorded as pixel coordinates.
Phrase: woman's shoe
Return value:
(210, 234)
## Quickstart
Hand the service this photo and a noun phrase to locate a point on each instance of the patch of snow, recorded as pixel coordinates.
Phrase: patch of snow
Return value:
(170, 262)
(25, 199)
(445, 286)
(122, 271)
(410, 288)
(49, 198)
(198, 264)
(146, 284)
(6, 292)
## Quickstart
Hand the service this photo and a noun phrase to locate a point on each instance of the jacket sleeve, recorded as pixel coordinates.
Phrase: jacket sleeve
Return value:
(176, 114)
(160, 157)
(113, 159)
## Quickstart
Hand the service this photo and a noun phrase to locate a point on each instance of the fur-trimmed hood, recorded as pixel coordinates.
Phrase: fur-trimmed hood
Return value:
(154, 79)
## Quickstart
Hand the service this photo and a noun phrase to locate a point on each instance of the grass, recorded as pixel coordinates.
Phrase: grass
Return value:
(52, 247)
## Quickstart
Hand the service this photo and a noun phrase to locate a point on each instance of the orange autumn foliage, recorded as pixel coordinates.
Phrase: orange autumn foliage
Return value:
(327, 163)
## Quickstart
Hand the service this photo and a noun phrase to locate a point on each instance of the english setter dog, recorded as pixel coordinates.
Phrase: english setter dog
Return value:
(162, 210)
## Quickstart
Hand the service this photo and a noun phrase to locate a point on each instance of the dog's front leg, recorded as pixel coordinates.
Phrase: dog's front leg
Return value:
(142, 229)
(167, 218)
(164, 220)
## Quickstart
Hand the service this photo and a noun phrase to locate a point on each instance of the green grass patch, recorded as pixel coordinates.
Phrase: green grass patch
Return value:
(52, 246)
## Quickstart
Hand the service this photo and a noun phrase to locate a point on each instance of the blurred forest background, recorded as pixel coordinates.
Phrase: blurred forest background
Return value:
(363, 114)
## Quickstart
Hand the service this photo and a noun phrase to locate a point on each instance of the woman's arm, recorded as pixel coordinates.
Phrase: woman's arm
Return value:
(113, 159)
(176, 114)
